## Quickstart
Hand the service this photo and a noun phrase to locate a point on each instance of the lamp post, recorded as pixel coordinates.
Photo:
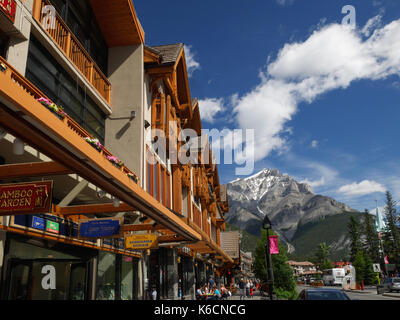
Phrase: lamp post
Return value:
(267, 225)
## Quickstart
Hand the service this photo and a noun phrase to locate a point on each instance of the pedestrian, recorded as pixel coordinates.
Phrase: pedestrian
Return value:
(211, 283)
(248, 289)
(251, 289)
(154, 294)
(242, 288)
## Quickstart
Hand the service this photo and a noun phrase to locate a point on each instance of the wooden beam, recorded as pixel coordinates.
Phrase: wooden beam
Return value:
(33, 169)
(142, 227)
(163, 239)
(93, 209)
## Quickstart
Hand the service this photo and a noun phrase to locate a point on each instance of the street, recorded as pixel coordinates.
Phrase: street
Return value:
(368, 294)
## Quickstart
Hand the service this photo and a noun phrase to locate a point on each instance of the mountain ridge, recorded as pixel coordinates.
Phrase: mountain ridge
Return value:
(287, 203)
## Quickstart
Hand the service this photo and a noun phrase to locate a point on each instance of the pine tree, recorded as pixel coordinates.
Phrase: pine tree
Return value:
(369, 274)
(371, 244)
(392, 235)
(355, 238)
(284, 282)
(322, 255)
(359, 265)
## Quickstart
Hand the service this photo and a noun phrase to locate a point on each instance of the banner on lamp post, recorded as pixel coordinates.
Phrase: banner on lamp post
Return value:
(273, 245)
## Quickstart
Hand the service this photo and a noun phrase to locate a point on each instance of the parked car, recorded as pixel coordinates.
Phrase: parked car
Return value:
(322, 294)
(391, 284)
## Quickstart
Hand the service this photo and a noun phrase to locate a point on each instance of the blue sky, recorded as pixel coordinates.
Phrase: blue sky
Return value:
(324, 100)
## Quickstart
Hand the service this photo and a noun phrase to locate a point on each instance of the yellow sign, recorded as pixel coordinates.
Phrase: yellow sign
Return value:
(141, 242)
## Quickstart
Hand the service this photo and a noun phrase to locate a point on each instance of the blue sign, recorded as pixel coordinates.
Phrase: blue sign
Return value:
(38, 223)
(99, 228)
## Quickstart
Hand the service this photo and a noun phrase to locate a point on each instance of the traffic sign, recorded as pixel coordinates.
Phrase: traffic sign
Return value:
(377, 267)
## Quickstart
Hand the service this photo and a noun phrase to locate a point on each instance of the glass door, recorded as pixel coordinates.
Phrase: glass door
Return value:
(47, 279)
(19, 275)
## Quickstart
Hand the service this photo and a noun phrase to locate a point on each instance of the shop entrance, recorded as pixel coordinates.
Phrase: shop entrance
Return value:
(30, 279)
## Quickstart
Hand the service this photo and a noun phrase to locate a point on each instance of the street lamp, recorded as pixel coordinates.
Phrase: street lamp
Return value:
(267, 225)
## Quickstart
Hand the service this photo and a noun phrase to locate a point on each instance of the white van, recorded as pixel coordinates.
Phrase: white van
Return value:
(333, 277)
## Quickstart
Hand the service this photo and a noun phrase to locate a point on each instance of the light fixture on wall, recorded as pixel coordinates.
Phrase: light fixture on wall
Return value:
(3, 133)
(18, 147)
(101, 194)
(131, 117)
(146, 124)
(179, 259)
(116, 202)
(143, 219)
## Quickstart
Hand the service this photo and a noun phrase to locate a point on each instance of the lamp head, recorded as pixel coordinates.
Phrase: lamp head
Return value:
(267, 223)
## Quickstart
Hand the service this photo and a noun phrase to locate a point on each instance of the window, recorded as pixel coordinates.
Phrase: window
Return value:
(4, 41)
(106, 276)
(156, 181)
(150, 173)
(45, 73)
(79, 17)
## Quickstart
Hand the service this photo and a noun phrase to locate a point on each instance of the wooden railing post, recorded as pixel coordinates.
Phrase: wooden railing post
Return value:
(37, 5)
(68, 44)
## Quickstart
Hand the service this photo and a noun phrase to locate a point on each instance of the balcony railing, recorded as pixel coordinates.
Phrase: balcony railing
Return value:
(29, 88)
(73, 49)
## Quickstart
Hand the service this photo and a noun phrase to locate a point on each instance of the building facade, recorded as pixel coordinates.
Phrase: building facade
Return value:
(81, 97)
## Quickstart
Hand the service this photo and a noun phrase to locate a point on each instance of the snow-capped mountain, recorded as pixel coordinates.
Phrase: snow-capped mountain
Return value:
(287, 203)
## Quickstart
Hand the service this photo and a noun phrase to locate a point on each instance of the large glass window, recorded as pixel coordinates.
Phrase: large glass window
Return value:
(47, 74)
(127, 278)
(106, 276)
(80, 18)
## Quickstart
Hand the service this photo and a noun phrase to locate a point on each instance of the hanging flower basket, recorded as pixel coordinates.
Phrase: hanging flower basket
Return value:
(134, 177)
(115, 161)
(57, 110)
(95, 143)
(3, 67)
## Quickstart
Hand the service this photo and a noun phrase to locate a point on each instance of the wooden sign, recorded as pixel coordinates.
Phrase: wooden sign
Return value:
(8, 7)
(100, 228)
(141, 242)
(26, 198)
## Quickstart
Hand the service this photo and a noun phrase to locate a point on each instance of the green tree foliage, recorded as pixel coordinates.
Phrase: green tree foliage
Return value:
(321, 257)
(359, 265)
(371, 244)
(392, 235)
(284, 282)
(355, 237)
(369, 274)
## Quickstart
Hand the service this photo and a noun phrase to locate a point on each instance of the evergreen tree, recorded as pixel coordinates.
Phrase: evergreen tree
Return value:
(284, 282)
(392, 235)
(371, 245)
(321, 257)
(359, 265)
(369, 274)
(355, 237)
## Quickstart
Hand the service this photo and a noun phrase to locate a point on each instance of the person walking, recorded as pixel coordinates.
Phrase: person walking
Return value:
(242, 288)
(251, 289)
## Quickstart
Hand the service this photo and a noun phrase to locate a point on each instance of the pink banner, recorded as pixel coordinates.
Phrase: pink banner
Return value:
(386, 260)
(273, 245)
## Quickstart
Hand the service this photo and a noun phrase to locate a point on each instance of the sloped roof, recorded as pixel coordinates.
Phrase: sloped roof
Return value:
(169, 53)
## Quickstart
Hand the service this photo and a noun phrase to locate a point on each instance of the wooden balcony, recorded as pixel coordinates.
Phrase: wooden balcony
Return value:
(74, 51)
(24, 117)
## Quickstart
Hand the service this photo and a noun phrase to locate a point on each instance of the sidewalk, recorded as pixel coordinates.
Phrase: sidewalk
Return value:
(369, 289)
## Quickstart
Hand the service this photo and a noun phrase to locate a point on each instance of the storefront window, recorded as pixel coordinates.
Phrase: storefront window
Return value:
(106, 276)
(127, 278)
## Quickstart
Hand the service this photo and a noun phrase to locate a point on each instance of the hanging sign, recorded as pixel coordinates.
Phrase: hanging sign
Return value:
(100, 228)
(273, 245)
(26, 198)
(8, 7)
(141, 242)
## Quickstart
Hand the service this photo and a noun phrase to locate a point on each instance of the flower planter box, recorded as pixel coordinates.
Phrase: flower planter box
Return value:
(95, 143)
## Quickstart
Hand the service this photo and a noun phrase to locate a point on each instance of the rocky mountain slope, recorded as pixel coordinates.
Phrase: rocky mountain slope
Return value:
(287, 203)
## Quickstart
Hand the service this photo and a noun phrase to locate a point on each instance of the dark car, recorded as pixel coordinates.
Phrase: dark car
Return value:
(322, 294)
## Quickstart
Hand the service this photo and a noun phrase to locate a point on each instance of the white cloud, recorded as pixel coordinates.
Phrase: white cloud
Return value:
(331, 58)
(363, 188)
(284, 2)
(314, 144)
(371, 24)
(191, 63)
(209, 108)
